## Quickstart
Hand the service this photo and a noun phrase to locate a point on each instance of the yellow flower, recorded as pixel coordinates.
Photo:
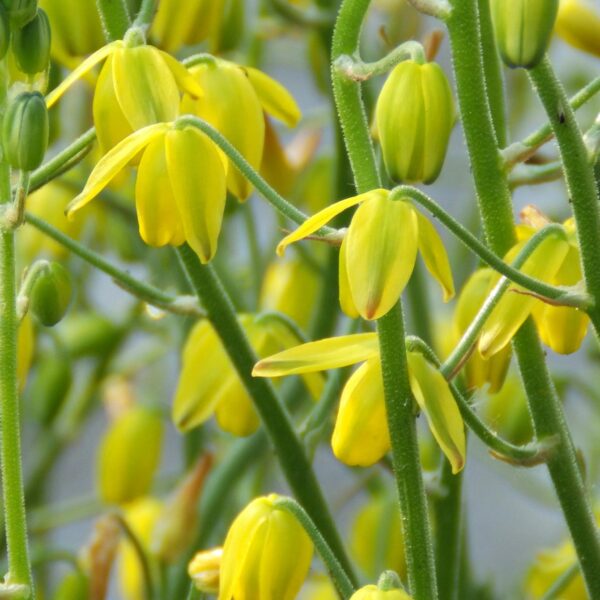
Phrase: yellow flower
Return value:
(205, 570)
(266, 554)
(479, 370)
(578, 23)
(361, 436)
(556, 261)
(234, 101)
(180, 191)
(319, 587)
(372, 592)
(378, 252)
(137, 86)
(209, 384)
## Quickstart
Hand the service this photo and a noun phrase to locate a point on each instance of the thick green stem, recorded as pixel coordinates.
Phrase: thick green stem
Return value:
(496, 211)
(115, 18)
(10, 438)
(292, 457)
(579, 176)
(146, 14)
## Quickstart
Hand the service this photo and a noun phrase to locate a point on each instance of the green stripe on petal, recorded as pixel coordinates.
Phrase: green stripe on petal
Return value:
(433, 395)
(110, 164)
(434, 255)
(198, 181)
(381, 249)
(275, 99)
(330, 353)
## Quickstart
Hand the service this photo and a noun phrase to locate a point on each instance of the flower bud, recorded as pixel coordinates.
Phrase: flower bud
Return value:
(414, 117)
(129, 455)
(88, 334)
(31, 44)
(51, 294)
(372, 592)
(523, 29)
(266, 554)
(50, 387)
(205, 570)
(21, 11)
(578, 23)
(25, 131)
(75, 586)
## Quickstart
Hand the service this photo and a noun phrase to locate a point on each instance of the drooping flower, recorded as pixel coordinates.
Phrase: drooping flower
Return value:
(378, 253)
(361, 435)
(266, 554)
(234, 101)
(578, 23)
(180, 191)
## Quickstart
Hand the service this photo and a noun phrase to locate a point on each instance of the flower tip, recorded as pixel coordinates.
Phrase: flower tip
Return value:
(458, 464)
(280, 250)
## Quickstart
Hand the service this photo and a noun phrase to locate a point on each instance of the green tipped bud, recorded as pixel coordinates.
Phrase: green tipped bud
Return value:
(414, 117)
(21, 11)
(523, 29)
(31, 44)
(51, 295)
(25, 131)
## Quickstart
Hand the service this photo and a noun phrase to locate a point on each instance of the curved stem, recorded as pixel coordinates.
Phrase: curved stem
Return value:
(558, 295)
(115, 18)
(275, 418)
(338, 575)
(535, 174)
(579, 176)
(145, 14)
(182, 305)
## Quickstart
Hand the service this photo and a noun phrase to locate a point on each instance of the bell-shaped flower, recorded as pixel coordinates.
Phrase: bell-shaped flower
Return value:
(479, 370)
(578, 23)
(180, 190)
(138, 85)
(234, 101)
(556, 261)
(379, 251)
(361, 435)
(266, 554)
(209, 384)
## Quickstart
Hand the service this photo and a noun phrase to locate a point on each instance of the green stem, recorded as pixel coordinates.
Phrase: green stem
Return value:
(10, 438)
(559, 295)
(496, 210)
(146, 14)
(181, 305)
(338, 575)
(307, 17)
(535, 174)
(562, 583)
(405, 455)
(275, 418)
(115, 18)
(579, 176)
(520, 151)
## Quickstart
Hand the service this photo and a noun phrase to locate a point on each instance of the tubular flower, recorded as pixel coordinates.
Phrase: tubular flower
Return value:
(234, 101)
(266, 554)
(137, 86)
(209, 384)
(578, 23)
(361, 436)
(556, 261)
(180, 191)
(479, 370)
(378, 253)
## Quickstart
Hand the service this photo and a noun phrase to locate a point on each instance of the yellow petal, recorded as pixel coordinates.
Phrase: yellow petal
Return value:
(513, 308)
(158, 216)
(235, 411)
(346, 301)
(198, 182)
(330, 353)
(145, 86)
(361, 436)
(434, 255)
(88, 64)
(323, 217)
(275, 99)
(185, 80)
(433, 395)
(381, 249)
(110, 164)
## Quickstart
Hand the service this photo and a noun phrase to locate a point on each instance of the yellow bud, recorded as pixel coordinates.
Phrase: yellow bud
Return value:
(414, 117)
(372, 592)
(205, 570)
(129, 454)
(578, 23)
(266, 554)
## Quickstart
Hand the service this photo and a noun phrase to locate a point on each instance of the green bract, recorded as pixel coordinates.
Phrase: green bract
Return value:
(51, 295)
(31, 44)
(523, 29)
(414, 117)
(25, 131)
